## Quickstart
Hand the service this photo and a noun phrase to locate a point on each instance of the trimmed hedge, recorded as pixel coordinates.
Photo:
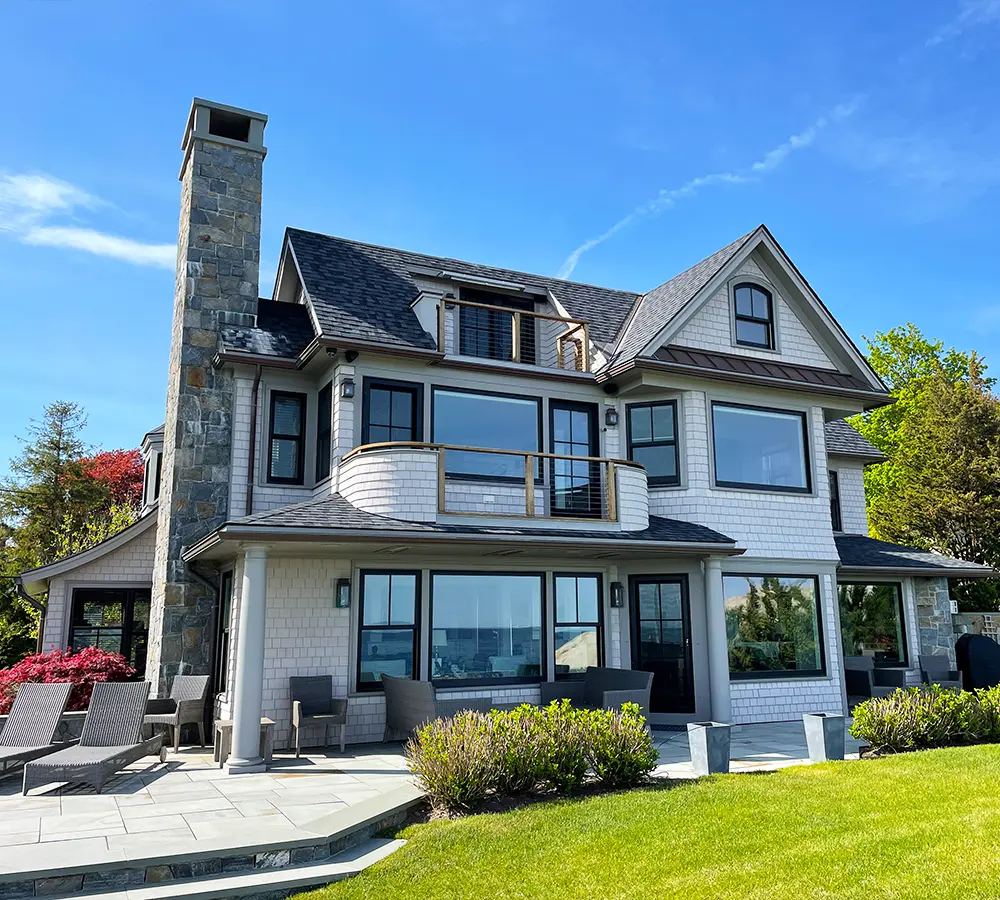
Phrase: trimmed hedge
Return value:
(923, 718)
(461, 761)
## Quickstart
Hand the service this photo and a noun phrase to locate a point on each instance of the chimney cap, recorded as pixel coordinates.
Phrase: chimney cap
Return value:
(223, 124)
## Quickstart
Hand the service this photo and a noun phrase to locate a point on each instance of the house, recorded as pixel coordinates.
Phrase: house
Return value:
(414, 465)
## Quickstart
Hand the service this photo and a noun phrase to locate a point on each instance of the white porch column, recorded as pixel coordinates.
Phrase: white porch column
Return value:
(718, 644)
(248, 687)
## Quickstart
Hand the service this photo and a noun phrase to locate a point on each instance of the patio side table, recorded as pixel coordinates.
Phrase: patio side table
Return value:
(224, 739)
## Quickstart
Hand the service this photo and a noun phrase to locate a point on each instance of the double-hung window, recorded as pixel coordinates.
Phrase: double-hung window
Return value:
(578, 634)
(286, 441)
(871, 622)
(652, 440)
(754, 316)
(761, 449)
(389, 616)
(324, 431)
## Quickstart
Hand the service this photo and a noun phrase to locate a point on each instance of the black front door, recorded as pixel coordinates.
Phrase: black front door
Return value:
(575, 485)
(661, 640)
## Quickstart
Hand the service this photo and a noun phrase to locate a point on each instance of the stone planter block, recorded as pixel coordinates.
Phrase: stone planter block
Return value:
(825, 735)
(709, 743)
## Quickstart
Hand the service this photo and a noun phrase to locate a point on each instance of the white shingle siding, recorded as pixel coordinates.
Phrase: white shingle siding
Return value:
(851, 480)
(491, 498)
(711, 328)
(401, 484)
(633, 498)
(130, 564)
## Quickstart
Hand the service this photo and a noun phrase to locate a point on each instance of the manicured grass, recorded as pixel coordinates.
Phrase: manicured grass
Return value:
(920, 825)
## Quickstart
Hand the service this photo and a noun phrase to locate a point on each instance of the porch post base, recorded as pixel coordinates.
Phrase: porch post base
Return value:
(237, 766)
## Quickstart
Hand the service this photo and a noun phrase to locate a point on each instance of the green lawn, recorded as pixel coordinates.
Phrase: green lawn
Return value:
(920, 825)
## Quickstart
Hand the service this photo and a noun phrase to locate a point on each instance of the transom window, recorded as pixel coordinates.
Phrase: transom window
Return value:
(760, 449)
(390, 605)
(391, 411)
(488, 333)
(114, 619)
(871, 622)
(754, 314)
(286, 443)
(652, 440)
(578, 633)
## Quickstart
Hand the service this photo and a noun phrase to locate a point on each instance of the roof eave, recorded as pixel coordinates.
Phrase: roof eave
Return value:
(921, 571)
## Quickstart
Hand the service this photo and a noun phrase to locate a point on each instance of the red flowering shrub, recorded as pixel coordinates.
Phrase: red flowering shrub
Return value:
(82, 668)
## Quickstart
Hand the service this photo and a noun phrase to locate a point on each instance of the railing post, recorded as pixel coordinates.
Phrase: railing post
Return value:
(529, 484)
(515, 337)
(442, 499)
(442, 312)
(610, 490)
(559, 351)
(586, 349)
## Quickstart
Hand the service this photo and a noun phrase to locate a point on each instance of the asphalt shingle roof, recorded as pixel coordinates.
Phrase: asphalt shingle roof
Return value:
(860, 552)
(282, 329)
(844, 439)
(334, 512)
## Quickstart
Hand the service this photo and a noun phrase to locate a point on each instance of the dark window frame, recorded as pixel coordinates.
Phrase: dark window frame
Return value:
(300, 438)
(128, 615)
(324, 432)
(788, 674)
(901, 606)
(376, 686)
(493, 326)
(599, 624)
(223, 631)
(683, 704)
(596, 494)
(751, 486)
(659, 480)
(836, 511)
(768, 322)
(445, 683)
(499, 479)
(414, 388)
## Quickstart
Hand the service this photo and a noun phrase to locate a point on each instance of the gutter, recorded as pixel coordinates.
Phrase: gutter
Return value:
(920, 572)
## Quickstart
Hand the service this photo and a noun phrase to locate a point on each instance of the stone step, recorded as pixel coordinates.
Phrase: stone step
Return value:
(262, 883)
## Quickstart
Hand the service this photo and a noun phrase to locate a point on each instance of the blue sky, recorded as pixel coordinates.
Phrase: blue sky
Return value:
(544, 136)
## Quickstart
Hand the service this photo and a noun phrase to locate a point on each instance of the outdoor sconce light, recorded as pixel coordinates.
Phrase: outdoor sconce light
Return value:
(611, 416)
(617, 594)
(343, 597)
(347, 388)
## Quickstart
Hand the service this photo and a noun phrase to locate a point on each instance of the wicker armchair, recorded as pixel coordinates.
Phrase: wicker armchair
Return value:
(862, 679)
(410, 704)
(937, 670)
(313, 703)
(602, 688)
(185, 706)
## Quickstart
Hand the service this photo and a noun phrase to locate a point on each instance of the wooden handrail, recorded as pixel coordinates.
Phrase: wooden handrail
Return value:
(538, 454)
(451, 301)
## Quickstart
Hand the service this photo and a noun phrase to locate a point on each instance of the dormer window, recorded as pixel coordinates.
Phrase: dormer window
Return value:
(754, 316)
(488, 333)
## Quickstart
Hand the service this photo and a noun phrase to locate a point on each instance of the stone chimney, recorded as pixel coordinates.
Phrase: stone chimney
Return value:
(218, 259)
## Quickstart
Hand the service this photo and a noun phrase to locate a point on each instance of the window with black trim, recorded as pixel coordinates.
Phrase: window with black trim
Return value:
(391, 411)
(652, 440)
(773, 626)
(114, 619)
(286, 440)
(753, 310)
(387, 638)
(835, 514)
(488, 333)
(222, 628)
(760, 449)
(579, 638)
(479, 419)
(324, 431)
(871, 621)
(487, 627)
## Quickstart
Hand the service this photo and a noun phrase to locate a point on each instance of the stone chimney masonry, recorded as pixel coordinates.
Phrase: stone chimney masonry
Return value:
(218, 260)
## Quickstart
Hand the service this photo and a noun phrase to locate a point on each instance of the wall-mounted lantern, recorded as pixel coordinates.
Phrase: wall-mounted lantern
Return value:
(617, 594)
(343, 595)
(347, 388)
(611, 416)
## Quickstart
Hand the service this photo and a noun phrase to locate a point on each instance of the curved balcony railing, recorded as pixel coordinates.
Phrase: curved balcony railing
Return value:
(423, 480)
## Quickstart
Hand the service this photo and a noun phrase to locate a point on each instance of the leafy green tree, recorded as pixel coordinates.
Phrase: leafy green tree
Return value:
(774, 628)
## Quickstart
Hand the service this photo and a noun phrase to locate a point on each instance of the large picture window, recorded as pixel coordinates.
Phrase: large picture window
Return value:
(486, 627)
(222, 631)
(114, 619)
(390, 607)
(652, 440)
(773, 626)
(391, 411)
(760, 449)
(871, 622)
(578, 637)
(497, 421)
(286, 442)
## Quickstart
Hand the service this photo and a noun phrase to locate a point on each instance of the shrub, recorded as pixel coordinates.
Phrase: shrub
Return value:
(463, 760)
(83, 669)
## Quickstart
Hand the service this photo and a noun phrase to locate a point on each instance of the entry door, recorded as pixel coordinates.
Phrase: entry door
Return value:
(575, 486)
(661, 640)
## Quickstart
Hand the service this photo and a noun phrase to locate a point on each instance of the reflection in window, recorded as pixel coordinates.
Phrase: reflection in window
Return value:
(578, 623)
(871, 622)
(652, 440)
(497, 421)
(388, 633)
(759, 448)
(772, 625)
(391, 412)
(116, 620)
(486, 627)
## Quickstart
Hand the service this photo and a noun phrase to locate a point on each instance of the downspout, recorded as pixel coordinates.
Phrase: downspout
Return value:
(35, 604)
(252, 459)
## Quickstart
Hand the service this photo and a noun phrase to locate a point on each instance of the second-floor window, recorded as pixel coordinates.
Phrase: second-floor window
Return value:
(324, 431)
(754, 316)
(761, 449)
(835, 516)
(286, 441)
(652, 440)
(151, 477)
(391, 411)
(489, 333)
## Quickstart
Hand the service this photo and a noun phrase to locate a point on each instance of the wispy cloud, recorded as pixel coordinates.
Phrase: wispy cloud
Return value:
(34, 209)
(972, 14)
(667, 197)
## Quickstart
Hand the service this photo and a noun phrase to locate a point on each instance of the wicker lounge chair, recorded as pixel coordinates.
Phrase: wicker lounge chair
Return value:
(938, 670)
(111, 740)
(313, 703)
(602, 688)
(32, 722)
(410, 704)
(185, 706)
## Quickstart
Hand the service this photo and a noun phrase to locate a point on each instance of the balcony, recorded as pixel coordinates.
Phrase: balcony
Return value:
(509, 335)
(422, 482)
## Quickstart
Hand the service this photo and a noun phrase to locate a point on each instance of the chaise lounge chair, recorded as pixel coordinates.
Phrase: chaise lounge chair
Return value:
(185, 706)
(32, 722)
(111, 740)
